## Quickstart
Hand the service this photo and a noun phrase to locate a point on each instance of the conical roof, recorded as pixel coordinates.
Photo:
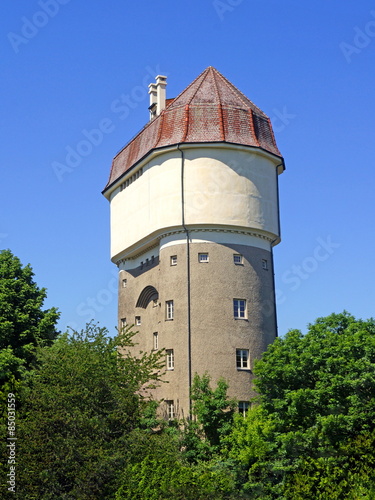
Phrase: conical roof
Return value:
(211, 109)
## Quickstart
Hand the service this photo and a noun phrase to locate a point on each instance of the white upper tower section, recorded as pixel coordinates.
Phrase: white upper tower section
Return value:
(208, 161)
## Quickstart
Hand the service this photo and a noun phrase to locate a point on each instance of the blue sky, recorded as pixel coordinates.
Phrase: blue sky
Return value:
(65, 65)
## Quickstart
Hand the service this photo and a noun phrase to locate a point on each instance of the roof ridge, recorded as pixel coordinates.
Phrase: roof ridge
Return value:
(240, 94)
(215, 82)
(212, 69)
(186, 88)
(199, 86)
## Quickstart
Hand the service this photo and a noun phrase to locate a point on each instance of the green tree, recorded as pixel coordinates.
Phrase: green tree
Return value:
(252, 445)
(212, 419)
(24, 324)
(181, 460)
(164, 477)
(322, 382)
(78, 416)
(317, 398)
(160, 472)
(349, 475)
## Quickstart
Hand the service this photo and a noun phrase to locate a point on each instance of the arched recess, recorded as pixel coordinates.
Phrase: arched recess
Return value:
(148, 294)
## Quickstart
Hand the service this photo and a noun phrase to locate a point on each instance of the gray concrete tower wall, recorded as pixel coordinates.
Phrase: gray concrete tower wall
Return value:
(220, 203)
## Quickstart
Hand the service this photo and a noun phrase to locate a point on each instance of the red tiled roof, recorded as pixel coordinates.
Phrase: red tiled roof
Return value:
(210, 109)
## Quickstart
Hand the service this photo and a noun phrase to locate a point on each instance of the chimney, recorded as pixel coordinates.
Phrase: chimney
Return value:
(153, 100)
(161, 84)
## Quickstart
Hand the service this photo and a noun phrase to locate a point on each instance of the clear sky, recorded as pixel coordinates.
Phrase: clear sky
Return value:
(71, 66)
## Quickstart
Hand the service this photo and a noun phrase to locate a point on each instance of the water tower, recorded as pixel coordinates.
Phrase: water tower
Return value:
(194, 217)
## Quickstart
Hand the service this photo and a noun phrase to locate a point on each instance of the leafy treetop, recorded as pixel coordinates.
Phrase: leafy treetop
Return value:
(23, 322)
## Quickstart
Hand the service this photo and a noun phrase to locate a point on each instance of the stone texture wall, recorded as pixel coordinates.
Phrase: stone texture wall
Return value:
(215, 333)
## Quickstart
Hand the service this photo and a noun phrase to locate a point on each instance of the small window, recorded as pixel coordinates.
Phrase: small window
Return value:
(237, 259)
(264, 264)
(242, 359)
(137, 320)
(170, 409)
(169, 309)
(239, 308)
(203, 257)
(243, 407)
(124, 283)
(156, 341)
(170, 359)
(123, 322)
(173, 260)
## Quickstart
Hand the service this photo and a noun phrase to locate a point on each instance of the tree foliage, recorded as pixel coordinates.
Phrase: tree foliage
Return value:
(81, 407)
(24, 324)
(212, 419)
(323, 382)
(317, 398)
(163, 474)
(85, 430)
(348, 475)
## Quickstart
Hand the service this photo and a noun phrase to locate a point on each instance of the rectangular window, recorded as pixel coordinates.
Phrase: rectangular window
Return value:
(170, 409)
(156, 341)
(169, 309)
(123, 322)
(173, 260)
(124, 283)
(170, 359)
(243, 407)
(242, 359)
(203, 257)
(239, 308)
(264, 264)
(137, 320)
(237, 258)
